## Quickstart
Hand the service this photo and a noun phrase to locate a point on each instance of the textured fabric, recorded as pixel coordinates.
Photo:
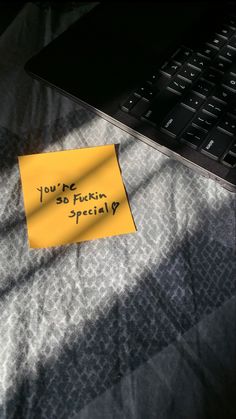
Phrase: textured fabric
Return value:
(137, 326)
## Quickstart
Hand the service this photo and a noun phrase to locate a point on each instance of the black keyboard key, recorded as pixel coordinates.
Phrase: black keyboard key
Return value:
(223, 95)
(214, 107)
(232, 42)
(232, 69)
(231, 21)
(129, 103)
(203, 87)
(228, 124)
(217, 41)
(225, 31)
(208, 51)
(204, 120)
(140, 108)
(158, 80)
(233, 149)
(160, 107)
(230, 82)
(146, 91)
(211, 75)
(179, 85)
(188, 73)
(176, 121)
(221, 64)
(198, 61)
(193, 136)
(232, 111)
(193, 101)
(227, 53)
(182, 55)
(229, 160)
(169, 68)
(216, 144)
(153, 77)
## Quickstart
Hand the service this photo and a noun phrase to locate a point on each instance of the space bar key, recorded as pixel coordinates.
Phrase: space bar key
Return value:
(176, 120)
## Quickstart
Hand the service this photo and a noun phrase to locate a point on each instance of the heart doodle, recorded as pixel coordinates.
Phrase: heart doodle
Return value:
(114, 206)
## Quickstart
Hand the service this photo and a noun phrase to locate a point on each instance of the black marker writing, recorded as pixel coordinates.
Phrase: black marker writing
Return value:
(63, 200)
(91, 211)
(45, 189)
(53, 188)
(71, 187)
(90, 196)
(41, 193)
(114, 206)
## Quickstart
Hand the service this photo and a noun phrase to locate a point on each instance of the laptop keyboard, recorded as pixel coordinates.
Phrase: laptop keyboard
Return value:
(192, 96)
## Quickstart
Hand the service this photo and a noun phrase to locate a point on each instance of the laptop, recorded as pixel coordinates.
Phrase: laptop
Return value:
(165, 72)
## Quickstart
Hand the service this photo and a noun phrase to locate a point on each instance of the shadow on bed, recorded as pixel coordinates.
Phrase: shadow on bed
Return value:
(165, 309)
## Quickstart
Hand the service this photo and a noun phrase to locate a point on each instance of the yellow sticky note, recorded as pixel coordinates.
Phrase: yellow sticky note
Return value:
(74, 195)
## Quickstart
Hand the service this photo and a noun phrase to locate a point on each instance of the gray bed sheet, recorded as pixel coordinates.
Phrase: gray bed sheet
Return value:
(139, 326)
